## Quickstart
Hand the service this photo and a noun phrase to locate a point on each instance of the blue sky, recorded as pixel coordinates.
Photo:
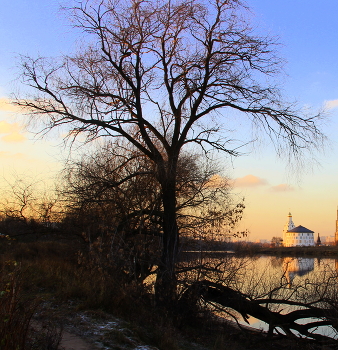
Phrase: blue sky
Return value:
(308, 31)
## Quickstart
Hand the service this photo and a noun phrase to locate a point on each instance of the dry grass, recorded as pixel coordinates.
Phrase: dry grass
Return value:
(17, 308)
(52, 269)
(34, 272)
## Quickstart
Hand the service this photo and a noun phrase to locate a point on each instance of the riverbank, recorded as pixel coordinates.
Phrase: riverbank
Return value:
(52, 287)
(191, 247)
(321, 251)
(254, 250)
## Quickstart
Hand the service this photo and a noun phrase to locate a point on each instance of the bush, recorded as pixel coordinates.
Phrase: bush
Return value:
(16, 311)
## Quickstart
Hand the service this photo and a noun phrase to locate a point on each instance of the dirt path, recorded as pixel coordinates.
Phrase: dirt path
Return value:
(74, 342)
(87, 330)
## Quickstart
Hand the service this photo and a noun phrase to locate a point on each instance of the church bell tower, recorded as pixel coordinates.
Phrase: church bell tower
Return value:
(287, 227)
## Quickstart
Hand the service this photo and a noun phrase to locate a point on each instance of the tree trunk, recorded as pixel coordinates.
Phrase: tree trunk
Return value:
(166, 281)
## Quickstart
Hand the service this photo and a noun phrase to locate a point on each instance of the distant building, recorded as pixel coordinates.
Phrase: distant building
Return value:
(336, 234)
(263, 241)
(328, 240)
(297, 236)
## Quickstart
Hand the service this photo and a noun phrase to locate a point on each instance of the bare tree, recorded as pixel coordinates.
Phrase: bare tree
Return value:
(113, 196)
(18, 201)
(113, 202)
(276, 241)
(164, 75)
(26, 207)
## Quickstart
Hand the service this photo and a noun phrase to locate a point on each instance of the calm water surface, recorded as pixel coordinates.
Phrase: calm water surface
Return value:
(302, 279)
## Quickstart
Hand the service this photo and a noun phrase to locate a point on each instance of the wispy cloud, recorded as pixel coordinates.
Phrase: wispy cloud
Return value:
(13, 137)
(282, 188)
(249, 181)
(6, 128)
(10, 155)
(217, 181)
(6, 106)
(331, 104)
(12, 132)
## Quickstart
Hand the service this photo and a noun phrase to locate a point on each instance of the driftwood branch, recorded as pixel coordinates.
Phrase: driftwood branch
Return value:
(212, 292)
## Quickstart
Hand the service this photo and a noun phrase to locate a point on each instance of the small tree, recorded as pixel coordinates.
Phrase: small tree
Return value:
(26, 208)
(165, 75)
(277, 241)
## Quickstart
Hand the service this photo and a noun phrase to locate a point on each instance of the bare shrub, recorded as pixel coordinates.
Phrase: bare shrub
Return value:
(16, 311)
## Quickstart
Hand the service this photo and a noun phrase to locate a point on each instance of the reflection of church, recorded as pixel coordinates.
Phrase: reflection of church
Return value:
(297, 267)
(297, 236)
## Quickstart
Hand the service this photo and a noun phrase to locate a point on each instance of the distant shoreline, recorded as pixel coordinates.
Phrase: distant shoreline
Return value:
(322, 251)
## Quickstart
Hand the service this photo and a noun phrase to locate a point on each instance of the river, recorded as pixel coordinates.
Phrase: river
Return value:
(300, 279)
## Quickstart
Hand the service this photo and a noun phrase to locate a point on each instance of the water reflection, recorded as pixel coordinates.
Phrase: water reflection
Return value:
(297, 267)
(316, 276)
(297, 279)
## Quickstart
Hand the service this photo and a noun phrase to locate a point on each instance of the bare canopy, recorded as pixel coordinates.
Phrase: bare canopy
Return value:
(163, 75)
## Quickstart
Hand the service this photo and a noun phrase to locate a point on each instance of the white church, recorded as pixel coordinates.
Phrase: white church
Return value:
(298, 236)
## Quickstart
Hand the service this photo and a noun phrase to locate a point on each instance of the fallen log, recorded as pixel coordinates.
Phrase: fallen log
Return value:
(212, 292)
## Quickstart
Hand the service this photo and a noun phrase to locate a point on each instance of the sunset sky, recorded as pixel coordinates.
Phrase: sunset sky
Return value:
(308, 30)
